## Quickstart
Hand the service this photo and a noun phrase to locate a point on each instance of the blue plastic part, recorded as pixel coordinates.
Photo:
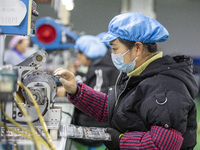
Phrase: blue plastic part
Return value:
(22, 29)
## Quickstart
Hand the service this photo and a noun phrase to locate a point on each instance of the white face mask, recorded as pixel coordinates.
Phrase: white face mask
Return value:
(118, 61)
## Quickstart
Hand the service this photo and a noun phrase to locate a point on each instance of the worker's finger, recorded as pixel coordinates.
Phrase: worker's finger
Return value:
(58, 70)
(63, 81)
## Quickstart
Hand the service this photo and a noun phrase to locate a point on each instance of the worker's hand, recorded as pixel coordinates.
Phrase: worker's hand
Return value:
(114, 144)
(67, 79)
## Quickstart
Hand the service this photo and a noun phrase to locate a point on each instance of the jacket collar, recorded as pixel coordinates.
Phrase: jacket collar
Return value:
(141, 68)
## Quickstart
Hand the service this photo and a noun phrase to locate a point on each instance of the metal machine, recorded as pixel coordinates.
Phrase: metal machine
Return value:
(43, 87)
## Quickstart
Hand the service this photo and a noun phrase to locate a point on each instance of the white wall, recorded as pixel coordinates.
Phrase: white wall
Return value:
(93, 16)
(182, 19)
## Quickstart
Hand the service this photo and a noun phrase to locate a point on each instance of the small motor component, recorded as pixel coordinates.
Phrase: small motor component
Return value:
(41, 85)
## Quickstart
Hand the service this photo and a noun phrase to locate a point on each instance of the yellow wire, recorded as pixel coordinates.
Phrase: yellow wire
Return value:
(23, 128)
(25, 135)
(32, 129)
(39, 114)
(14, 122)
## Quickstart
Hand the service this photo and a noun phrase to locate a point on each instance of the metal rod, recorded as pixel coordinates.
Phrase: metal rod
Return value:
(2, 47)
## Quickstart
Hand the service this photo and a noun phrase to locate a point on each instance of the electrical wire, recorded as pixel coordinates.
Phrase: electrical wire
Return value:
(43, 138)
(43, 113)
(39, 114)
(67, 113)
(43, 141)
(32, 129)
(7, 144)
(45, 110)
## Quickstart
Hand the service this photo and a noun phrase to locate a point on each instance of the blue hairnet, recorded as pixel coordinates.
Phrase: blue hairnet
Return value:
(91, 46)
(136, 27)
(101, 35)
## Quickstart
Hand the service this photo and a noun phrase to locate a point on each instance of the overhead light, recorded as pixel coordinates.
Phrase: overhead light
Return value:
(69, 4)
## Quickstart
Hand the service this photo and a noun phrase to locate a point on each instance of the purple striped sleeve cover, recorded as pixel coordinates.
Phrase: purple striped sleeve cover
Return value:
(91, 102)
(158, 138)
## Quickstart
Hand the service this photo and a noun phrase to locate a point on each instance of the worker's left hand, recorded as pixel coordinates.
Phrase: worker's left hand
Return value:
(67, 79)
(114, 144)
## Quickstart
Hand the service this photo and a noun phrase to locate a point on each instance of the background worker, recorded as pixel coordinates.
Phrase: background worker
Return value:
(95, 55)
(18, 46)
(151, 105)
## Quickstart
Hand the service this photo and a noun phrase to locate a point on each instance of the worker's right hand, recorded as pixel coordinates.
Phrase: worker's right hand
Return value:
(67, 79)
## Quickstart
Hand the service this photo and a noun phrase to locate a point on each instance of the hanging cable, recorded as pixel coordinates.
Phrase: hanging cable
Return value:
(39, 114)
(32, 129)
(6, 137)
(24, 129)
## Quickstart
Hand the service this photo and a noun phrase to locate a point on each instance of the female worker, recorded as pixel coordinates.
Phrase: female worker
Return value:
(92, 53)
(151, 105)
(18, 46)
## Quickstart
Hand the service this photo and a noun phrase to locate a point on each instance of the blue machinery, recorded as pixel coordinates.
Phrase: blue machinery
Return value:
(51, 35)
(9, 21)
(17, 17)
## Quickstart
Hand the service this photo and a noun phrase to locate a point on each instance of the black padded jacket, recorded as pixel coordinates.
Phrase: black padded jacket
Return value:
(161, 95)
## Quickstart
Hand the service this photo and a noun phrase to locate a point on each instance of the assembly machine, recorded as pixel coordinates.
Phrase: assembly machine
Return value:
(43, 87)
